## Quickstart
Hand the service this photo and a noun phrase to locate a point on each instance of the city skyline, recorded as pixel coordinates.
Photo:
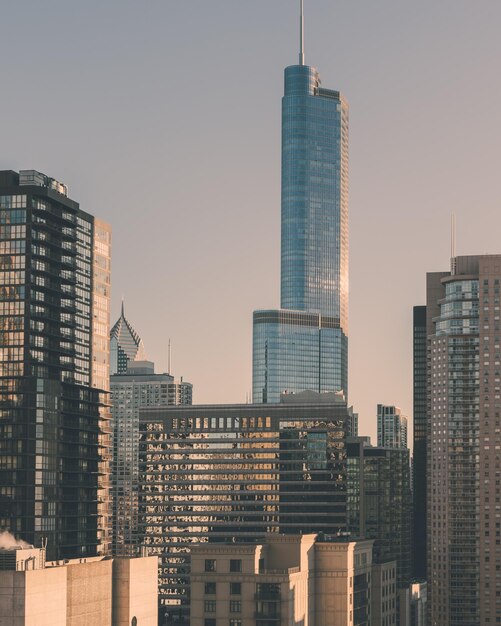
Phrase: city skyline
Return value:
(394, 201)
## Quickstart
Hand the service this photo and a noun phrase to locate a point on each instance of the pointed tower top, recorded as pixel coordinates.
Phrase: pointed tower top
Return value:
(301, 32)
(123, 307)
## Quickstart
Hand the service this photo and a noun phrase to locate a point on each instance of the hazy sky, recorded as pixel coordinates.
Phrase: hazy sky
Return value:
(163, 118)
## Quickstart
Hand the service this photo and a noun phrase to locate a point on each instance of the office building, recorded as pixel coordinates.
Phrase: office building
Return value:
(138, 387)
(54, 367)
(379, 503)
(304, 345)
(312, 580)
(419, 451)
(95, 591)
(463, 452)
(223, 473)
(391, 427)
(125, 345)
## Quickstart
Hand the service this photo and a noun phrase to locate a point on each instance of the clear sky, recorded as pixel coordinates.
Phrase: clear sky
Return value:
(163, 118)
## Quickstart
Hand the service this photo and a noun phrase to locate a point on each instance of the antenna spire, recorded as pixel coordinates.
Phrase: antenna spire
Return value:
(301, 32)
(169, 359)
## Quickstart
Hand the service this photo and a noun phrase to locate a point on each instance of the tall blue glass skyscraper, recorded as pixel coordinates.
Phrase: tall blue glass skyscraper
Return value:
(304, 345)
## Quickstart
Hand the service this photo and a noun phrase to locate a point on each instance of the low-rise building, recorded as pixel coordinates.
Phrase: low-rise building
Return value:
(312, 580)
(96, 591)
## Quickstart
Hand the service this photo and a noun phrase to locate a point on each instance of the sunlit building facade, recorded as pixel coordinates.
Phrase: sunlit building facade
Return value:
(305, 345)
(232, 473)
(463, 452)
(54, 367)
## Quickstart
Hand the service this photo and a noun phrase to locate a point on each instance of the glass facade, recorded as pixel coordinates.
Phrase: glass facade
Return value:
(233, 473)
(379, 503)
(314, 275)
(295, 351)
(53, 368)
(291, 351)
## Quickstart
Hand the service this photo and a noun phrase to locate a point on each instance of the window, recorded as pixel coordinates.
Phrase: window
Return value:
(235, 589)
(235, 565)
(210, 565)
(210, 606)
(235, 622)
(210, 622)
(210, 589)
(235, 606)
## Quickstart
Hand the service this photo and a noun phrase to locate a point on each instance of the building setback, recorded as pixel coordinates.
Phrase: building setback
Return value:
(463, 449)
(222, 473)
(304, 346)
(54, 367)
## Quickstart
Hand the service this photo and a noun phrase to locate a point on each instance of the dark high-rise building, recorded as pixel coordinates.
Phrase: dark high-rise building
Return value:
(54, 367)
(236, 472)
(464, 442)
(379, 502)
(419, 453)
(304, 346)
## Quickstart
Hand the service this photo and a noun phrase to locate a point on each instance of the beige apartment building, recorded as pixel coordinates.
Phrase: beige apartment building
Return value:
(97, 591)
(286, 580)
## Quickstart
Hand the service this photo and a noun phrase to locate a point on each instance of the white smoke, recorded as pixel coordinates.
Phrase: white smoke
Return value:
(8, 541)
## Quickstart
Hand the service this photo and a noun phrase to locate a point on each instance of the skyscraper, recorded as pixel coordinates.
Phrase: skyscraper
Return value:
(125, 345)
(419, 451)
(138, 386)
(463, 452)
(304, 346)
(54, 367)
(391, 427)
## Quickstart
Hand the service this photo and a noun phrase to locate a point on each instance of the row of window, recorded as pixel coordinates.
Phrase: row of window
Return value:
(12, 202)
(235, 565)
(210, 606)
(235, 589)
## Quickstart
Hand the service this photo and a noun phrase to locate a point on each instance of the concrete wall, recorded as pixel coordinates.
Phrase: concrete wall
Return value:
(135, 591)
(89, 599)
(33, 598)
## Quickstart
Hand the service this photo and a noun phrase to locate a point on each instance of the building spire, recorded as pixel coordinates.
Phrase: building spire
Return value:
(123, 307)
(301, 32)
